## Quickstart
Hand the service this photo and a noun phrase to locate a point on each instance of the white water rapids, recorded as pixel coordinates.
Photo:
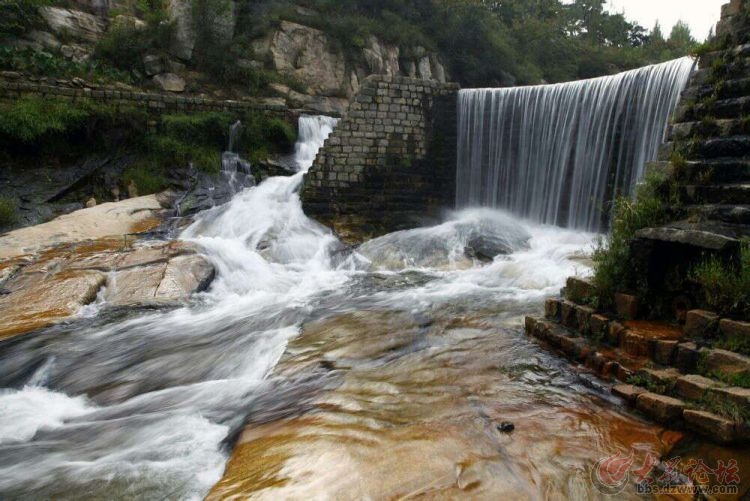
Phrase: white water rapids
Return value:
(146, 404)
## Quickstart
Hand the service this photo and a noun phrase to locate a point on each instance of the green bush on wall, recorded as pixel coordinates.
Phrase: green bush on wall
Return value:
(726, 288)
(612, 257)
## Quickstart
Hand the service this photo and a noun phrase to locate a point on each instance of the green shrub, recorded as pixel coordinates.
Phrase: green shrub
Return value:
(29, 119)
(738, 344)
(124, 44)
(726, 408)
(726, 288)
(612, 257)
(62, 127)
(281, 134)
(148, 177)
(210, 128)
(19, 16)
(55, 65)
(7, 212)
(171, 152)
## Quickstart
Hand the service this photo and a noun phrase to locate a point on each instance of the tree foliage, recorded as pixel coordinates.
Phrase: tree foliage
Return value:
(486, 42)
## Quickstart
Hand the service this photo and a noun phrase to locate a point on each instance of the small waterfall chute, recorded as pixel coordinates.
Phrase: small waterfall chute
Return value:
(556, 153)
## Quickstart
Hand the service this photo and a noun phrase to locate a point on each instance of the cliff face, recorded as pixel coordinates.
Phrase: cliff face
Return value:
(305, 66)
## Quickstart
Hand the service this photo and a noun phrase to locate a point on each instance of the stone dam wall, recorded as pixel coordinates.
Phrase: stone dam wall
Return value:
(391, 162)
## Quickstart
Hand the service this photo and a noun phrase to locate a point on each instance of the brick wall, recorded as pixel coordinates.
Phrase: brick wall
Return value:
(390, 163)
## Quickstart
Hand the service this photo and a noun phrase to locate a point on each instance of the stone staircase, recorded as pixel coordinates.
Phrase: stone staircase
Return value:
(665, 371)
(707, 159)
(692, 370)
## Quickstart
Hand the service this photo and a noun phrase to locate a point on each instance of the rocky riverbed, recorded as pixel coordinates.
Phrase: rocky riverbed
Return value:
(62, 269)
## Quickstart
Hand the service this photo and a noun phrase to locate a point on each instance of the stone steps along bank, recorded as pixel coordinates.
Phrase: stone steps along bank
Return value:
(659, 369)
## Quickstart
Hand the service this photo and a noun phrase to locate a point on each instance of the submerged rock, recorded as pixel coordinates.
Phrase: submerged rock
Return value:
(474, 234)
(506, 427)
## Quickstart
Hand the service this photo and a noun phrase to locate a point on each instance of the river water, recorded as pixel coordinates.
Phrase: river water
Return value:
(375, 373)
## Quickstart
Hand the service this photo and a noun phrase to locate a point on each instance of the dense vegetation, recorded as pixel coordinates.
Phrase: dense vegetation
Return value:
(483, 42)
(486, 42)
(654, 203)
(35, 128)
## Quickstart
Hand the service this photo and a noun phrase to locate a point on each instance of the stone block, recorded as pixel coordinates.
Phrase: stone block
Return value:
(693, 386)
(623, 373)
(701, 323)
(664, 351)
(626, 306)
(569, 314)
(734, 328)
(583, 319)
(555, 336)
(662, 377)
(615, 333)
(597, 362)
(552, 309)
(738, 396)
(598, 325)
(666, 410)
(529, 325)
(717, 428)
(578, 289)
(726, 362)
(628, 392)
(635, 345)
(686, 358)
(575, 347)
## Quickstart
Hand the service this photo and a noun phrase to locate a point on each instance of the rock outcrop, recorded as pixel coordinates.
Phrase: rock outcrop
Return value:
(104, 220)
(73, 23)
(184, 36)
(54, 285)
(307, 55)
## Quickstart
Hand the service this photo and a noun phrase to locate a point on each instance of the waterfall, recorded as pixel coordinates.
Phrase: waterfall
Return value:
(557, 153)
(313, 131)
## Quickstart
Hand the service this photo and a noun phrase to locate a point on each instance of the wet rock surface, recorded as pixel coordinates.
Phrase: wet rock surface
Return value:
(55, 285)
(49, 272)
(104, 220)
(415, 411)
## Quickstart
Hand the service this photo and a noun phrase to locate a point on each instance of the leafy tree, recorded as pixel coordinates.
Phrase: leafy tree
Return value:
(680, 39)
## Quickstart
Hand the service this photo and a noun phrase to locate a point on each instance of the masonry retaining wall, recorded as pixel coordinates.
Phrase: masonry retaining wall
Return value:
(390, 163)
(154, 102)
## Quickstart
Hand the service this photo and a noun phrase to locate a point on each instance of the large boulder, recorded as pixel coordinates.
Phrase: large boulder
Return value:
(37, 299)
(54, 286)
(306, 54)
(170, 82)
(73, 23)
(153, 64)
(160, 284)
(184, 37)
(45, 39)
(381, 58)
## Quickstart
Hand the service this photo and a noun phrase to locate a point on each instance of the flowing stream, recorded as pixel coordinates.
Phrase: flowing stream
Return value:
(375, 373)
(557, 153)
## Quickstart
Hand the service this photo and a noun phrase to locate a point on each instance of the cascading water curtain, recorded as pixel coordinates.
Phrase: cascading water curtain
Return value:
(556, 153)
